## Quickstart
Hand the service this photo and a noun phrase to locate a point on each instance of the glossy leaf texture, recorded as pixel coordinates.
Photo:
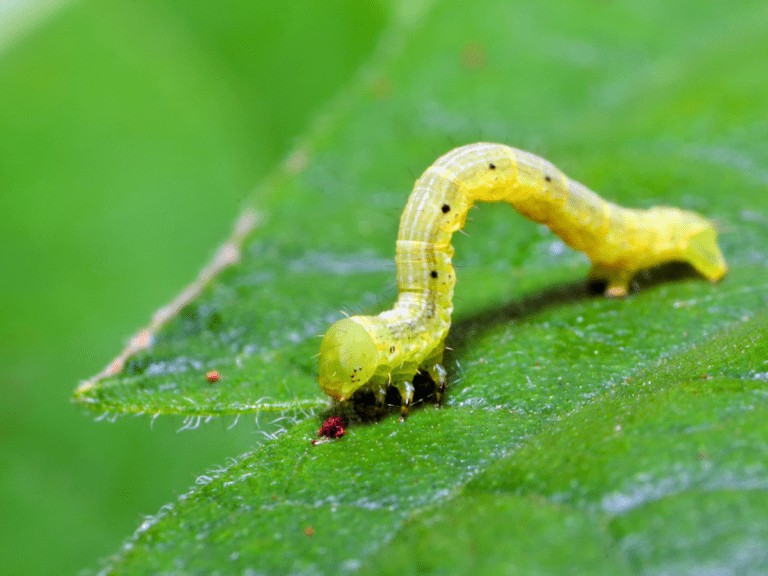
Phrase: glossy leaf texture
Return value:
(579, 434)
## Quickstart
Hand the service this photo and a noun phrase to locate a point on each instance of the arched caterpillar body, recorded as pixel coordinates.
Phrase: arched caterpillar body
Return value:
(389, 349)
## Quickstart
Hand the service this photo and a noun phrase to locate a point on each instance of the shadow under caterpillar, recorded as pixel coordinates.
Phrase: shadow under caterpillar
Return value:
(389, 349)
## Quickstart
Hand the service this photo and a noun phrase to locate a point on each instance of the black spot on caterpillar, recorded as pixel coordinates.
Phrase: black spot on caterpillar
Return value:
(389, 349)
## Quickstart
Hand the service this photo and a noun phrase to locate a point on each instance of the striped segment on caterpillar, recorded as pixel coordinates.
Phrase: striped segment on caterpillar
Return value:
(389, 349)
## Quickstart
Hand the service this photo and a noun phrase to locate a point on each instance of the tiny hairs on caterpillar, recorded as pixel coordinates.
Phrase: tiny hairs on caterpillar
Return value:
(389, 349)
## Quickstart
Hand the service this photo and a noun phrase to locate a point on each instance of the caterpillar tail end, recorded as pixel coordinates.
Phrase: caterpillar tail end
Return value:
(348, 359)
(703, 253)
(694, 240)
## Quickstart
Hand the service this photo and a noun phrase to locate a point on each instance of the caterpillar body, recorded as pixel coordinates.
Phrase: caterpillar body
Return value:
(389, 349)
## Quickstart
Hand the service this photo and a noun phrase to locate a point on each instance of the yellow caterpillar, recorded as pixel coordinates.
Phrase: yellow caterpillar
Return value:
(389, 349)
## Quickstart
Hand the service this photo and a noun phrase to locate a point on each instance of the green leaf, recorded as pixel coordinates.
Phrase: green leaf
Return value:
(584, 435)
(674, 465)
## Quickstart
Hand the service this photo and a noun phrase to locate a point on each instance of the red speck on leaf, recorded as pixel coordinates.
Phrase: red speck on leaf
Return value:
(332, 428)
(213, 376)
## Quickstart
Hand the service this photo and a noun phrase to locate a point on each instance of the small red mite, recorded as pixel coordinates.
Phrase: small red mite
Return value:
(332, 428)
(212, 376)
(309, 530)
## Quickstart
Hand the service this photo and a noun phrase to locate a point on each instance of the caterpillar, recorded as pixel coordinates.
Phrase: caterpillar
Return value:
(389, 349)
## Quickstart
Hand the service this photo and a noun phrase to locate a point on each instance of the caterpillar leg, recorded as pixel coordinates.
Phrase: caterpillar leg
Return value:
(440, 378)
(380, 395)
(406, 390)
(618, 280)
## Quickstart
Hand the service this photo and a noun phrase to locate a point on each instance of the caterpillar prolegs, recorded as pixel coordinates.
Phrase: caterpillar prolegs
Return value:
(389, 349)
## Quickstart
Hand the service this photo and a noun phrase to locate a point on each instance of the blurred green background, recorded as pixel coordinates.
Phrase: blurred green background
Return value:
(130, 134)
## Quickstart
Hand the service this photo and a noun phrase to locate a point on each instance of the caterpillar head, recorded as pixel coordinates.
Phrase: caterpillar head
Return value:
(348, 358)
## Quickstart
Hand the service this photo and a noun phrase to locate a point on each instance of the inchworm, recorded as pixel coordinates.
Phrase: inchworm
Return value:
(389, 349)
